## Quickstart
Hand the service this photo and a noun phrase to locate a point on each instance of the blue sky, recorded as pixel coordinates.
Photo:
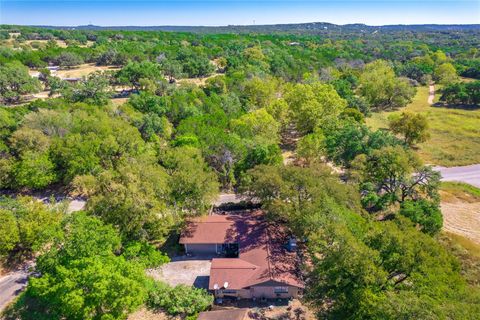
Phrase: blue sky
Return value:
(224, 12)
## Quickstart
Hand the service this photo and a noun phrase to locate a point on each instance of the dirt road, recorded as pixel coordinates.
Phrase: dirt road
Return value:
(468, 174)
(431, 94)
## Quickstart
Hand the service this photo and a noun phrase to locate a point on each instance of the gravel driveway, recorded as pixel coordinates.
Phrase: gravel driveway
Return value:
(184, 271)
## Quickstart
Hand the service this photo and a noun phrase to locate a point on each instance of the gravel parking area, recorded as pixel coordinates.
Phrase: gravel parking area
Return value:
(187, 271)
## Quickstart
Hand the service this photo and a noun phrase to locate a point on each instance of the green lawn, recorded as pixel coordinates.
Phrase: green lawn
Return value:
(455, 133)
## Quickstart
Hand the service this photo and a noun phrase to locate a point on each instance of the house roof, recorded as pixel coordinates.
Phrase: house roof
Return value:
(262, 255)
(234, 314)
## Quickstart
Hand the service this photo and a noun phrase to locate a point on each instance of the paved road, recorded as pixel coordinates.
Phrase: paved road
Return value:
(467, 174)
(11, 285)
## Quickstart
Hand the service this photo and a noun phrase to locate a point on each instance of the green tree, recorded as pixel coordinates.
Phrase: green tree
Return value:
(134, 71)
(396, 175)
(15, 82)
(424, 213)
(314, 105)
(445, 73)
(258, 125)
(412, 126)
(34, 170)
(82, 278)
(133, 198)
(179, 300)
(9, 235)
(68, 59)
(92, 89)
(382, 89)
(258, 93)
(312, 147)
(351, 139)
(193, 185)
(28, 225)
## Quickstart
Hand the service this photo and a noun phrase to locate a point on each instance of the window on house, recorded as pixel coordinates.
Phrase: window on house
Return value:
(280, 289)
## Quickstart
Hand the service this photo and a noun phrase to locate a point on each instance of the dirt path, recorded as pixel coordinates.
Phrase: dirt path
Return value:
(431, 94)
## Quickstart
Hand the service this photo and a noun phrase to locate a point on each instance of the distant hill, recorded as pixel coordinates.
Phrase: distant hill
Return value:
(309, 28)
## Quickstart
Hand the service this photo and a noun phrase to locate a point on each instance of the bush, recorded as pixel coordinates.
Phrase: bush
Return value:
(424, 213)
(179, 300)
(145, 254)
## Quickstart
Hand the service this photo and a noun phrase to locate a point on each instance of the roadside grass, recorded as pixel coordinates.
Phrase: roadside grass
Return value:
(459, 190)
(467, 252)
(455, 132)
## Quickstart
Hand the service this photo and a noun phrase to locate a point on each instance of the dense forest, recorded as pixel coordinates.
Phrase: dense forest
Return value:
(179, 117)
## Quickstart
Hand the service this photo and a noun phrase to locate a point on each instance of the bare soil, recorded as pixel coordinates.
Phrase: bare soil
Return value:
(84, 70)
(196, 81)
(461, 212)
(145, 314)
(462, 218)
(183, 271)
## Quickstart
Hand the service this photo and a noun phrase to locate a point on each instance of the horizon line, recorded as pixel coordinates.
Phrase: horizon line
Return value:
(242, 25)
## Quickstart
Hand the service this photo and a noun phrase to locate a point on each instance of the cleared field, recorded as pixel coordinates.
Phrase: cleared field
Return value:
(84, 70)
(455, 133)
(461, 210)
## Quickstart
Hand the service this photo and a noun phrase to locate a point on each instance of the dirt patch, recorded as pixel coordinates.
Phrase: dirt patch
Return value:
(83, 70)
(197, 81)
(145, 314)
(188, 272)
(119, 101)
(462, 218)
(289, 312)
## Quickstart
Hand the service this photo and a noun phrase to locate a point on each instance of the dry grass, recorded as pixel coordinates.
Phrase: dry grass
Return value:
(459, 191)
(463, 219)
(455, 133)
(461, 213)
(279, 312)
(145, 314)
(118, 101)
(83, 70)
(196, 81)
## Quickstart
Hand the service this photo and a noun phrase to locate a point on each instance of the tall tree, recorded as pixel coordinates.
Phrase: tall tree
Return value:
(412, 126)
(382, 89)
(15, 82)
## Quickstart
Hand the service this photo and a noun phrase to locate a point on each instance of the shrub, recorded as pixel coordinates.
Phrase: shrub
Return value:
(179, 300)
(145, 254)
(424, 213)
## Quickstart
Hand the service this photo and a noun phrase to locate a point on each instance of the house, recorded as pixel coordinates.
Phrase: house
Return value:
(253, 260)
(234, 314)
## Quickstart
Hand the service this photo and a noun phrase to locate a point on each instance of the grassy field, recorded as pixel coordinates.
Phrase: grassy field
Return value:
(455, 133)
